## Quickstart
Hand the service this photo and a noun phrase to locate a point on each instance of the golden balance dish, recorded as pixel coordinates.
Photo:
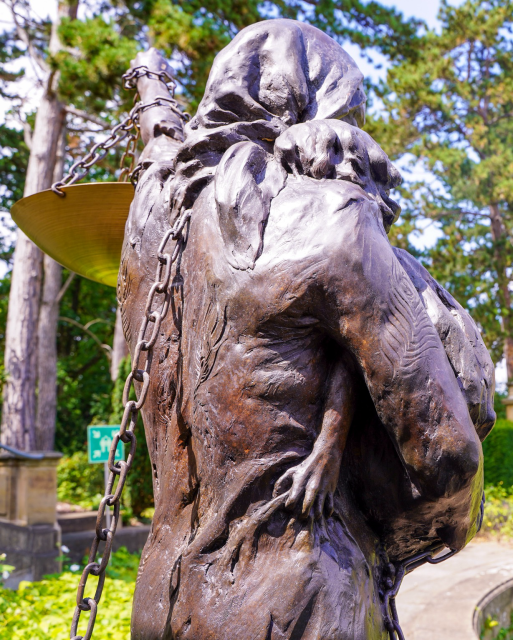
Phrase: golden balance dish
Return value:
(84, 230)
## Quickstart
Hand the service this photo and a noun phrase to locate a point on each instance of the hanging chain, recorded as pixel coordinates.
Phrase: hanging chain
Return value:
(154, 313)
(129, 152)
(393, 583)
(123, 130)
(397, 572)
(141, 365)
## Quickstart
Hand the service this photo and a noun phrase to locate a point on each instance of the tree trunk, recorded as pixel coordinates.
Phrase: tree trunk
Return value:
(47, 356)
(18, 427)
(119, 347)
(500, 238)
(47, 337)
(19, 402)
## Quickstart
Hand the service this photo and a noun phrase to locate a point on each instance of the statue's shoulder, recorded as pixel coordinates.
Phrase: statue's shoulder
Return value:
(326, 210)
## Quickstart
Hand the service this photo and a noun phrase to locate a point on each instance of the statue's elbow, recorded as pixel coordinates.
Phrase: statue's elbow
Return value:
(454, 470)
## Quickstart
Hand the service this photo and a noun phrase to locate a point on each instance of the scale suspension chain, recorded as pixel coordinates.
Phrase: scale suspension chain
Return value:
(141, 373)
(123, 130)
(141, 358)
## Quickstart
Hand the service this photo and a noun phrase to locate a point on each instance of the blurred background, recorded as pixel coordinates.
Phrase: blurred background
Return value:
(439, 80)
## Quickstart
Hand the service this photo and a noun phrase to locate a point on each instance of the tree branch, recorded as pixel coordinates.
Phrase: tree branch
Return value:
(96, 321)
(87, 116)
(107, 349)
(457, 212)
(24, 36)
(65, 286)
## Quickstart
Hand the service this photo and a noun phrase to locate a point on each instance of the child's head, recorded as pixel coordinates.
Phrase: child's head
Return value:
(332, 149)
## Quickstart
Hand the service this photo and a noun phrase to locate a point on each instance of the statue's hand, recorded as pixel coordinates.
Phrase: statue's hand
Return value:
(311, 484)
(159, 119)
(153, 60)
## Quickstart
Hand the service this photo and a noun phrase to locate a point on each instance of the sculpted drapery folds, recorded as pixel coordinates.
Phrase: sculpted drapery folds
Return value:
(318, 399)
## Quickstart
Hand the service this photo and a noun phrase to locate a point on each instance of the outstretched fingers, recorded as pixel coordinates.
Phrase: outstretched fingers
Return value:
(283, 483)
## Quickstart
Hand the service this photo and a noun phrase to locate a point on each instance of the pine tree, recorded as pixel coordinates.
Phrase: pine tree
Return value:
(452, 109)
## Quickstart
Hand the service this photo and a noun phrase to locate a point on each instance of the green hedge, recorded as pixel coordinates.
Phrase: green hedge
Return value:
(43, 610)
(498, 454)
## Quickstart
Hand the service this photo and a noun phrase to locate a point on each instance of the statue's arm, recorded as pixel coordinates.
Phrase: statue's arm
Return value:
(148, 220)
(161, 126)
(314, 480)
(464, 346)
(376, 313)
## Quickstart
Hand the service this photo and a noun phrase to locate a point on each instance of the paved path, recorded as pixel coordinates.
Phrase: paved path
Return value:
(437, 602)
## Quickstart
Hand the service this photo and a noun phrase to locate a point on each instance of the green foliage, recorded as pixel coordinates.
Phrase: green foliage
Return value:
(451, 108)
(498, 455)
(193, 32)
(84, 383)
(505, 633)
(5, 569)
(82, 483)
(79, 482)
(498, 514)
(92, 75)
(9, 51)
(140, 479)
(499, 406)
(42, 610)
(14, 156)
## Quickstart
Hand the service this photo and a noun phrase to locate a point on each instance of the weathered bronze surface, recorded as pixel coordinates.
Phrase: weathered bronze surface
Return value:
(317, 399)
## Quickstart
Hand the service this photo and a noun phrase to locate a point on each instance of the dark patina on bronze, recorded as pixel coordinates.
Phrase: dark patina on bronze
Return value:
(316, 400)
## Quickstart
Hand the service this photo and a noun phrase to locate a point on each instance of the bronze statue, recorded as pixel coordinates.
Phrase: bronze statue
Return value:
(317, 399)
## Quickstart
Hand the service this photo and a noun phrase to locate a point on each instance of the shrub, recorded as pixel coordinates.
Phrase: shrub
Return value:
(79, 482)
(498, 515)
(498, 455)
(42, 610)
(140, 481)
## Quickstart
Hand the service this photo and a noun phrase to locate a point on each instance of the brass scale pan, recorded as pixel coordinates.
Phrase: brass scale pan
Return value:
(82, 231)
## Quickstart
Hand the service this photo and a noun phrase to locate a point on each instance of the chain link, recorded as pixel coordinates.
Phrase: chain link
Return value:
(121, 131)
(397, 572)
(129, 152)
(132, 75)
(141, 373)
(156, 309)
(394, 581)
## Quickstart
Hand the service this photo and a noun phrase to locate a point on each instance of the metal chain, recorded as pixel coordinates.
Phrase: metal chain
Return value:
(132, 75)
(129, 152)
(397, 573)
(394, 581)
(141, 373)
(144, 348)
(123, 130)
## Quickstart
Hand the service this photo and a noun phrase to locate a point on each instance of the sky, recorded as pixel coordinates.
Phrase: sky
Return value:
(427, 10)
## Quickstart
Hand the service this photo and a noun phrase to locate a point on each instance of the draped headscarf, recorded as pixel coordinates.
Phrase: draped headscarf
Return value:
(273, 74)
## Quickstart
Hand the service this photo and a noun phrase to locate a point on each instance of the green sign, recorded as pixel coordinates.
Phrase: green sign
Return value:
(99, 439)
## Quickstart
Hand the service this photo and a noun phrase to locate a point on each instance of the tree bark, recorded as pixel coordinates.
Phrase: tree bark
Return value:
(47, 337)
(19, 402)
(18, 426)
(119, 347)
(500, 238)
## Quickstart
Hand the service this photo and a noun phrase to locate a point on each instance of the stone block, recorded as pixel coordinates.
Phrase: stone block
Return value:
(28, 489)
(34, 550)
(29, 533)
